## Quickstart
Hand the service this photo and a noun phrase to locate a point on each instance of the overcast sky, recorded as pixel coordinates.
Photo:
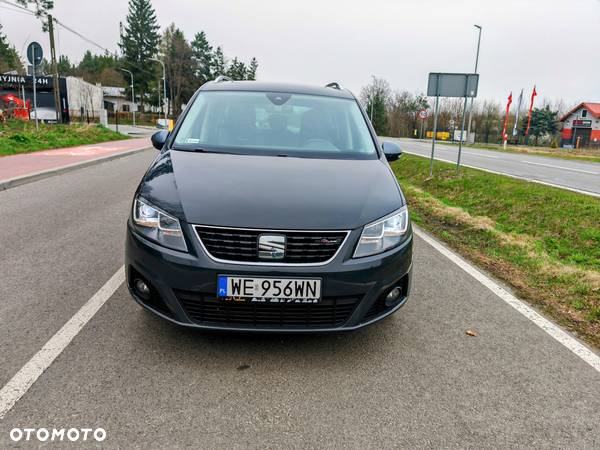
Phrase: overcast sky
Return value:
(552, 43)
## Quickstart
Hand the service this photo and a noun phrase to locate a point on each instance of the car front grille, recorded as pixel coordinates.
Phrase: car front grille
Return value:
(207, 309)
(241, 245)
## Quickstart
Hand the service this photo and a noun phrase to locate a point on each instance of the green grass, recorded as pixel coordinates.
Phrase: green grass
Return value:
(543, 241)
(22, 137)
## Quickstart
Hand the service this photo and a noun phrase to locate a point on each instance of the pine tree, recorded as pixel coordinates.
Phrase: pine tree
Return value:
(251, 73)
(9, 58)
(544, 122)
(139, 43)
(219, 63)
(64, 65)
(203, 58)
(380, 115)
(236, 70)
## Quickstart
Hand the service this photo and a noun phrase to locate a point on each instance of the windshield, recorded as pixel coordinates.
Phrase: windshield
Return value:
(275, 123)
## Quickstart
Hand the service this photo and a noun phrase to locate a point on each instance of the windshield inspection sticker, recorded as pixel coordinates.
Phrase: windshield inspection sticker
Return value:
(192, 141)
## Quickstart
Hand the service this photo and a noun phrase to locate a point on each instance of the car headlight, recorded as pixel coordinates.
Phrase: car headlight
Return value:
(158, 226)
(382, 235)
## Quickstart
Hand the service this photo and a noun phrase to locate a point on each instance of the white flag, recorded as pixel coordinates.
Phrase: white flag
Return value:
(517, 114)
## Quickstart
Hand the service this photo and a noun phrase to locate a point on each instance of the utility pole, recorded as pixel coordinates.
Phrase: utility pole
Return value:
(56, 88)
(134, 106)
(37, 122)
(476, 62)
(164, 88)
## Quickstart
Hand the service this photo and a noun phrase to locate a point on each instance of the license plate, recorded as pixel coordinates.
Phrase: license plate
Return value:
(269, 290)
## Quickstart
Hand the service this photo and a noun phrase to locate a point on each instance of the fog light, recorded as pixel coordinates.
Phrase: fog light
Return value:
(393, 296)
(142, 289)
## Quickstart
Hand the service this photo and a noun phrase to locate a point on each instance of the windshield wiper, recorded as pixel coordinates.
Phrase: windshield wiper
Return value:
(203, 150)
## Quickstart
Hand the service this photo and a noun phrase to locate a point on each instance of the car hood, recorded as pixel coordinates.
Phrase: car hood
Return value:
(248, 191)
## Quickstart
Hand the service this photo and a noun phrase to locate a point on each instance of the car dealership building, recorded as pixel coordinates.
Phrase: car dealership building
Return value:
(581, 126)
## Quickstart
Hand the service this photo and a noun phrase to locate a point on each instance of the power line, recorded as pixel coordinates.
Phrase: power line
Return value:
(21, 11)
(20, 8)
(24, 10)
(88, 40)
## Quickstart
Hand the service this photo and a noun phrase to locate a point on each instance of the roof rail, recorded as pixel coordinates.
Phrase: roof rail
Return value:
(334, 85)
(222, 78)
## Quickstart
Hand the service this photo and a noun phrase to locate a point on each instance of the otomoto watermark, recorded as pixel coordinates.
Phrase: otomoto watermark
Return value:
(58, 434)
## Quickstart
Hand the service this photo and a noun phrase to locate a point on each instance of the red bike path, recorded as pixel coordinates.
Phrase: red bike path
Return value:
(15, 167)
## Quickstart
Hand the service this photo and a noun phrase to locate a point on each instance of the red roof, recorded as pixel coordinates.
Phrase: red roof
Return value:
(593, 109)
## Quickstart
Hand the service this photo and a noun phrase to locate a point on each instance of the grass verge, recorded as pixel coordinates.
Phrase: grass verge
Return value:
(544, 242)
(22, 137)
(585, 154)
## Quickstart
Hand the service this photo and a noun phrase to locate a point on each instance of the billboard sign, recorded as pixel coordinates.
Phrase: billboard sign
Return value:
(452, 84)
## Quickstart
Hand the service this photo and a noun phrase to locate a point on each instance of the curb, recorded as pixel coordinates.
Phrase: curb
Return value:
(35, 176)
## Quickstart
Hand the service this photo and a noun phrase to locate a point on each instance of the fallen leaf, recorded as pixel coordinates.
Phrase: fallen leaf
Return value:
(471, 333)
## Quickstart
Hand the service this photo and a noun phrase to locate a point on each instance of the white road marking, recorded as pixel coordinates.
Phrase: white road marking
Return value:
(561, 167)
(446, 147)
(19, 384)
(545, 183)
(553, 330)
(480, 155)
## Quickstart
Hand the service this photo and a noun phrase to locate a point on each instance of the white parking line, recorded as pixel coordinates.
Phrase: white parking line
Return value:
(562, 167)
(553, 330)
(31, 371)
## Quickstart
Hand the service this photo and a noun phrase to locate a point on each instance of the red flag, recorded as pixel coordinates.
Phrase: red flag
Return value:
(506, 117)
(533, 94)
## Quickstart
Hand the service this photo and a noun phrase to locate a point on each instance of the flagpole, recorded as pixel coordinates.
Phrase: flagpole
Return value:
(533, 94)
(516, 127)
(504, 135)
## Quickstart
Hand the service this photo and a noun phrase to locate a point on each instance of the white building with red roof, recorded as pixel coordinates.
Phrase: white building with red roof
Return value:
(581, 126)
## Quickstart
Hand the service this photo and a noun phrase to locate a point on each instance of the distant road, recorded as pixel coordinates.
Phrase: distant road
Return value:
(577, 176)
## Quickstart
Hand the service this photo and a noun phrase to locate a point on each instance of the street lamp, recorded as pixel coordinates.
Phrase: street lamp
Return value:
(164, 88)
(133, 106)
(476, 62)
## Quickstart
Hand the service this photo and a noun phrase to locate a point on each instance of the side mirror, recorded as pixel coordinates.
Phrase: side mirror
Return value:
(391, 150)
(159, 138)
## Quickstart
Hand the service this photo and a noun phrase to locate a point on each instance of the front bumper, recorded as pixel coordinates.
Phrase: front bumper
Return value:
(178, 280)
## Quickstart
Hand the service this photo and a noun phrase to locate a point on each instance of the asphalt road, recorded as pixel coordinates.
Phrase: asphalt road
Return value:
(137, 131)
(570, 174)
(415, 380)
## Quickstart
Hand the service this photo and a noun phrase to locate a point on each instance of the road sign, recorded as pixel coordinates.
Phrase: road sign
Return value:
(462, 85)
(452, 85)
(423, 114)
(35, 54)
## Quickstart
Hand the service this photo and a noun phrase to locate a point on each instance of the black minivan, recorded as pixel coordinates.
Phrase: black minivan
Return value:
(270, 207)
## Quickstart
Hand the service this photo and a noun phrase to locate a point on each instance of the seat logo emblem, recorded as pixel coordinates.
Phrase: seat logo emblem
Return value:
(271, 246)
